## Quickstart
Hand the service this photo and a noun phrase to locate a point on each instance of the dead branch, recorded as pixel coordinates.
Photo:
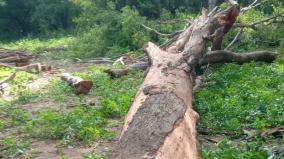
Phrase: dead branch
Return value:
(162, 34)
(254, 24)
(95, 61)
(9, 78)
(252, 5)
(235, 39)
(221, 56)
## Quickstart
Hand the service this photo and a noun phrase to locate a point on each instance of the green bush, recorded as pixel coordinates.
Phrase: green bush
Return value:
(114, 33)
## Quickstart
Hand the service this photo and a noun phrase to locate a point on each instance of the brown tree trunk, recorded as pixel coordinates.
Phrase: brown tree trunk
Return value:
(161, 123)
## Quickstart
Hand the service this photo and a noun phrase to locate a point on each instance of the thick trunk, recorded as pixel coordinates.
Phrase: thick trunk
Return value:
(161, 122)
(80, 85)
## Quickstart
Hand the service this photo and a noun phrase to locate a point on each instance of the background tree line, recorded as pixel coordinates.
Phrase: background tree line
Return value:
(108, 27)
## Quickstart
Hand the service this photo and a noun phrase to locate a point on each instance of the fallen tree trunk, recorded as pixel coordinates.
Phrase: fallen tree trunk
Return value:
(32, 68)
(80, 85)
(15, 56)
(161, 123)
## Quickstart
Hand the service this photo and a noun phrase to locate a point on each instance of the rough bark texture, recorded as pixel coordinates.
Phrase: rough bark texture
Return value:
(162, 113)
(80, 85)
(222, 56)
(161, 123)
(18, 57)
(31, 68)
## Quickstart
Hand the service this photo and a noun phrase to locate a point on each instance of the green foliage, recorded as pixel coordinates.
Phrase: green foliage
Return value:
(227, 149)
(265, 37)
(111, 33)
(11, 147)
(21, 18)
(38, 44)
(247, 96)
(115, 94)
(85, 123)
(92, 156)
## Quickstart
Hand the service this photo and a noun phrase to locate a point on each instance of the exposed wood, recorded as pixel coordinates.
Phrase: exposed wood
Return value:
(222, 56)
(161, 118)
(161, 123)
(80, 85)
(96, 61)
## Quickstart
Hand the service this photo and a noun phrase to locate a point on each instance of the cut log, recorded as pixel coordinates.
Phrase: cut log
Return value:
(80, 85)
(32, 68)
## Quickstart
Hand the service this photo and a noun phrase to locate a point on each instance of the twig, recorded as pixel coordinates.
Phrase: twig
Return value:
(9, 78)
(253, 25)
(162, 34)
(235, 39)
(155, 31)
(252, 5)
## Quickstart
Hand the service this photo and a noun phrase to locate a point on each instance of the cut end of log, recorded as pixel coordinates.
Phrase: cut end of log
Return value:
(80, 85)
(83, 87)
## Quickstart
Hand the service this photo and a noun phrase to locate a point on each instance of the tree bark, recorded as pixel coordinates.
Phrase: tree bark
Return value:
(161, 123)
(15, 56)
(80, 85)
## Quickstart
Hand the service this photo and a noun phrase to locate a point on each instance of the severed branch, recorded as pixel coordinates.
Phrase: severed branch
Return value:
(162, 34)
(235, 39)
(252, 5)
(9, 78)
(253, 25)
(222, 56)
(79, 84)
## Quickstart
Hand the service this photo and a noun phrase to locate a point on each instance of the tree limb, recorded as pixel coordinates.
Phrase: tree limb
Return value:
(162, 34)
(9, 78)
(235, 39)
(254, 24)
(222, 56)
(252, 5)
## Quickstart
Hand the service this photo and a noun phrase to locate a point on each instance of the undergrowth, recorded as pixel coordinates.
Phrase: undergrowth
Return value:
(237, 98)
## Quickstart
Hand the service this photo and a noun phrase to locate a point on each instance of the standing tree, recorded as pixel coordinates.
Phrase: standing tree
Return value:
(161, 123)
